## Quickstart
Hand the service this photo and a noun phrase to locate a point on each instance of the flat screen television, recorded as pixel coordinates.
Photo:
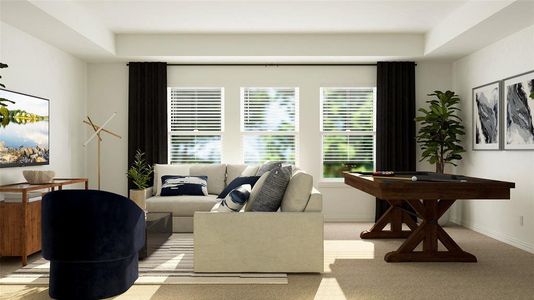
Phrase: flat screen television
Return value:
(24, 130)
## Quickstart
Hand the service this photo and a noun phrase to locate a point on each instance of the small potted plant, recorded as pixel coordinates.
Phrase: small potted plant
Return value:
(140, 173)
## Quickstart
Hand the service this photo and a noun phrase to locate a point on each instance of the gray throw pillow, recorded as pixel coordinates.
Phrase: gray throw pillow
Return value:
(255, 191)
(272, 192)
(268, 166)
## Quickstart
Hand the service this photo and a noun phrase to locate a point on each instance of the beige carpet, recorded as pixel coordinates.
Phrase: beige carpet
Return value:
(172, 263)
(356, 269)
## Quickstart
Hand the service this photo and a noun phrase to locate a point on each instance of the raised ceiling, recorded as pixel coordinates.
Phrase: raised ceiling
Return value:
(268, 31)
(270, 16)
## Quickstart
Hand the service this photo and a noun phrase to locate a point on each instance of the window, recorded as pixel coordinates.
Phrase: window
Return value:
(195, 117)
(269, 123)
(348, 130)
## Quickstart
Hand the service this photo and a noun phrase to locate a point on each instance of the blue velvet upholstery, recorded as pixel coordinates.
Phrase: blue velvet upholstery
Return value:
(92, 239)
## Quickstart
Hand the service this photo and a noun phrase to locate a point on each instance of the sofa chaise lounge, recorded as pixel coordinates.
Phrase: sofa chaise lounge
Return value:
(289, 240)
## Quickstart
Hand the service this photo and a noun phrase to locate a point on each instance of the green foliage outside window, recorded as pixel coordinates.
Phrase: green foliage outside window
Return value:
(348, 143)
(270, 147)
(270, 113)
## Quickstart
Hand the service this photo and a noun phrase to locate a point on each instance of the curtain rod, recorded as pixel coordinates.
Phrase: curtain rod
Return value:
(269, 64)
(278, 64)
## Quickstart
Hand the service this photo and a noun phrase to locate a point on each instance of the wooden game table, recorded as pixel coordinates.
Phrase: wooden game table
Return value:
(430, 197)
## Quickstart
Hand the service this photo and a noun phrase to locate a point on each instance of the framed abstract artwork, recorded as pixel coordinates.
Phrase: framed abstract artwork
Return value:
(519, 112)
(487, 117)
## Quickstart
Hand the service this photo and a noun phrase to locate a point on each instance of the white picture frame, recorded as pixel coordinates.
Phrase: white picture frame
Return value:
(486, 105)
(519, 112)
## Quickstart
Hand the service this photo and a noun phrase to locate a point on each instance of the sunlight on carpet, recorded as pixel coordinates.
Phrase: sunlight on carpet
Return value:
(171, 263)
(346, 249)
(329, 289)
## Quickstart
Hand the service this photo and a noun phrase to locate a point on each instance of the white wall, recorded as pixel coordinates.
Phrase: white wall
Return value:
(107, 86)
(39, 69)
(107, 93)
(430, 77)
(499, 219)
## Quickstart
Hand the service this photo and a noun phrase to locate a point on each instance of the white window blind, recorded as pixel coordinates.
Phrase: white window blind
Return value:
(195, 109)
(269, 122)
(195, 149)
(195, 124)
(348, 129)
(260, 148)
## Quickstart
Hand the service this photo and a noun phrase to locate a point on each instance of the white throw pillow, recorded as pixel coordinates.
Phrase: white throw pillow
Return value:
(234, 201)
(161, 170)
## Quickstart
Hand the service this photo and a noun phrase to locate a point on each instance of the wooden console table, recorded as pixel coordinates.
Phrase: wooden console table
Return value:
(20, 222)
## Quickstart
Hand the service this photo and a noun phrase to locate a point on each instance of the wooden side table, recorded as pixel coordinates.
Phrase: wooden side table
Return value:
(20, 222)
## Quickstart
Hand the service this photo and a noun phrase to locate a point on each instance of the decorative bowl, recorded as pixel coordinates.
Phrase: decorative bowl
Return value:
(38, 177)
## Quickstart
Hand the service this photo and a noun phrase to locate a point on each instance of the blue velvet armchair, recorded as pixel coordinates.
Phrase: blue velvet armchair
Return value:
(92, 239)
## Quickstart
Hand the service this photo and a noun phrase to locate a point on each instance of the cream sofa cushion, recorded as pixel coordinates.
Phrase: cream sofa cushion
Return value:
(233, 171)
(250, 171)
(297, 192)
(181, 206)
(315, 203)
(160, 170)
(216, 176)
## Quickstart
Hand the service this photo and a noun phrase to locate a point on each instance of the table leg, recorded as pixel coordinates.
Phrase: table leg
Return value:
(396, 216)
(429, 233)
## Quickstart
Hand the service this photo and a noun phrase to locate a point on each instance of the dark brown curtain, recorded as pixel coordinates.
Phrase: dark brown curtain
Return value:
(147, 111)
(395, 124)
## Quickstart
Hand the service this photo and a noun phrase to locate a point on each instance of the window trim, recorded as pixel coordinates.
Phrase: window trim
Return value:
(171, 133)
(244, 133)
(323, 179)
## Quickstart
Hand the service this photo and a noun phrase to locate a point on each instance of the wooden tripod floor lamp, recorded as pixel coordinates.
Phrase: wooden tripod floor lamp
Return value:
(98, 130)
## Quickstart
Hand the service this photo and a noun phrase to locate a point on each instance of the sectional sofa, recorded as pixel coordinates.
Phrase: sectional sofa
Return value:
(289, 240)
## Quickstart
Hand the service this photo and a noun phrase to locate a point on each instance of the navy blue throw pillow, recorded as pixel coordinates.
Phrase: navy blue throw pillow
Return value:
(172, 185)
(238, 182)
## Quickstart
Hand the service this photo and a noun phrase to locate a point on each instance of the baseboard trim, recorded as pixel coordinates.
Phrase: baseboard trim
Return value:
(349, 220)
(503, 237)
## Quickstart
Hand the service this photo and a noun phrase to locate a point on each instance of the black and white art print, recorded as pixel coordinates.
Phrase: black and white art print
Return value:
(486, 117)
(519, 112)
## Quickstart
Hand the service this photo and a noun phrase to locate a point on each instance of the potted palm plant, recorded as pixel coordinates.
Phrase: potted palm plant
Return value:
(140, 173)
(441, 130)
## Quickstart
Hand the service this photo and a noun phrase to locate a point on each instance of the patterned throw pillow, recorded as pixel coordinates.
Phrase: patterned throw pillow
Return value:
(184, 185)
(268, 166)
(235, 200)
(272, 192)
(238, 182)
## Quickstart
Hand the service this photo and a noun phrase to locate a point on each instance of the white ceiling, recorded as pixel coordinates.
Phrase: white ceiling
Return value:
(268, 31)
(270, 16)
